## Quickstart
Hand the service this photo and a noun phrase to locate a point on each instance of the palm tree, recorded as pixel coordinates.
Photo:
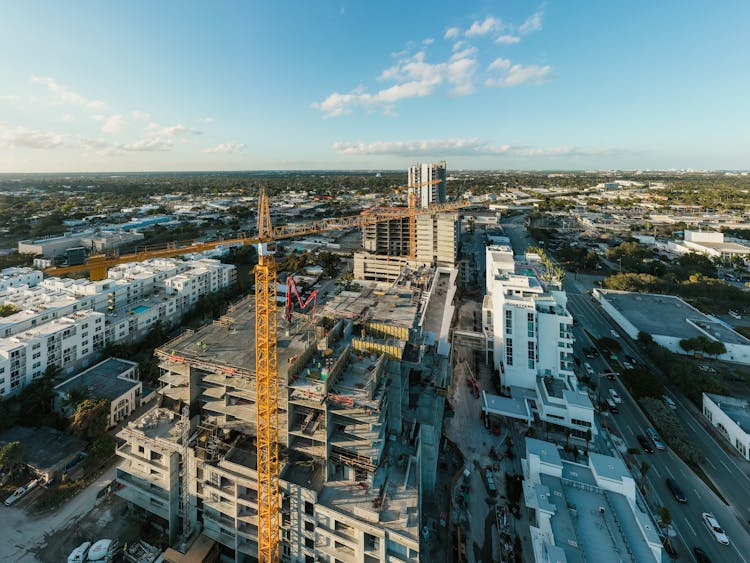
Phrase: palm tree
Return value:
(645, 466)
(631, 452)
(666, 519)
(588, 437)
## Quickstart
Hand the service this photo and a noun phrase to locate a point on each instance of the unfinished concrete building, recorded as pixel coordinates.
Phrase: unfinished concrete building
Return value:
(360, 428)
(387, 237)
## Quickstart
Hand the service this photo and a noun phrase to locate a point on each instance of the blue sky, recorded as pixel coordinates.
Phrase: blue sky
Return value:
(561, 84)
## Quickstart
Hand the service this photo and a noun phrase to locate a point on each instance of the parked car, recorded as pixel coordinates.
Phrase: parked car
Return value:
(612, 406)
(631, 359)
(669, 402)
(676, 491)
(588, 352)
(615, 396)
(644, 443)
(589, 369)
(627, 365)
(595, 352)
(21, 491)
(614, 333)
(713, 526)
(700, 555)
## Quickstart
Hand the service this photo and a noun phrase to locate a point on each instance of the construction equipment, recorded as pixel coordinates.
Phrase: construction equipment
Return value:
(267, 389)
(291, 287)
(98, 265)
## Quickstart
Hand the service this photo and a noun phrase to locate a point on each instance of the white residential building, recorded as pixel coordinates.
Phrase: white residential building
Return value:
(423, 173)
(528, 327)
(529, 332)
(66, 342)
(14, 277)
(126, 305)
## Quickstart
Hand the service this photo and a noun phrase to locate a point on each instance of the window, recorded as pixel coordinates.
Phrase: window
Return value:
(578, 422)
(509, 351)
(309, 527)
(530, 323)
(309, 543)
(309, 508)
(532, 356)
(508, 322)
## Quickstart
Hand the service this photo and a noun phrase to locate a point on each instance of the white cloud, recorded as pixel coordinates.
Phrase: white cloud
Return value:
(66, 95)
(428, 41)
(11, 99)
(500, 64)
(206, 120)
(68, 118)
(156, 130)
(149, 144)
(489, 25)
(226, 148)
(414, 77)
(533, 23)
(452, 32)
(437, 147)
(20, 137)
(471, 146)
(519, 74)
(508, 39)
(93, 144)
(139, 115)
(113, 123)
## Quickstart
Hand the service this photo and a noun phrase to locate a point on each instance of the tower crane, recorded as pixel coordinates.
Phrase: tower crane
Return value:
(267, 389)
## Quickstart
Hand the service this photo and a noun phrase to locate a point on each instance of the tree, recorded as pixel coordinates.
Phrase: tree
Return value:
(645, 466)
(568, 432)
(91, 418)
(75, 396)
(666, 520)
(11, 457)
(645, 338)
(588, 437)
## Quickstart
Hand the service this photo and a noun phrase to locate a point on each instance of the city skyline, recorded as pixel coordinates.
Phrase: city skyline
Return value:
(340, 85)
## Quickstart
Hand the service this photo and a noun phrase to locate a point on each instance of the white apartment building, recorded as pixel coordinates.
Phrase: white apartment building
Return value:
(14, 277)
(128, 304)
(66, 342)
(530, 334)
(422, 173)
(528, 327)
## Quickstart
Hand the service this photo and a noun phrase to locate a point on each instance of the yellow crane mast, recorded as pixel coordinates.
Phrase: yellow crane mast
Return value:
(267, 389)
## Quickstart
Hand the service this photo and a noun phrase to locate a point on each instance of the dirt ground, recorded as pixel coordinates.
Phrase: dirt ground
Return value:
(109, 519)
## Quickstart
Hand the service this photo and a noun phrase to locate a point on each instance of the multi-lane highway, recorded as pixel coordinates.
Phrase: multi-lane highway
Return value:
(725, 470)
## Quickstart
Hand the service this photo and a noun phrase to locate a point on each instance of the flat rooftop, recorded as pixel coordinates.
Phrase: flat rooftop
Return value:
(44, 447)
(668, 315)
(159, 424)
(230, 341)
(397, 306)
(103, 379)
(734, 409)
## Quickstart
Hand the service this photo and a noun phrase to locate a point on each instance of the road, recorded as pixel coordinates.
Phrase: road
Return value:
(630, 421)
(22, 534)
